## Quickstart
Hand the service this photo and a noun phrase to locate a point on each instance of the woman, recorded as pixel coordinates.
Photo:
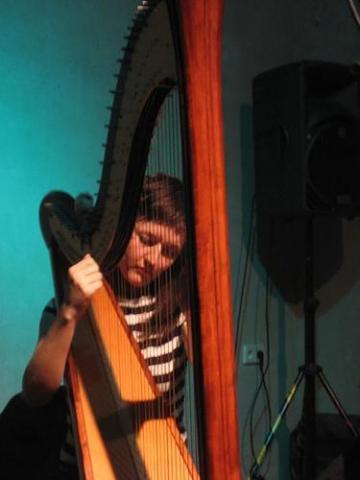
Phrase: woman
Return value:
(152, 294)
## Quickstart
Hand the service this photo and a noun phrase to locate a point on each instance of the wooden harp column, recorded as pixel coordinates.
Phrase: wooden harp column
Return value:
(202, 46)
(189, 56)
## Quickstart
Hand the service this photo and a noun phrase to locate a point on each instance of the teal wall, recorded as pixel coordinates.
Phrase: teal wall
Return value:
(57, 60)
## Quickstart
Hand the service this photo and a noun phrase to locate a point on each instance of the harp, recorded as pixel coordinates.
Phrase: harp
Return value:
(170, 69)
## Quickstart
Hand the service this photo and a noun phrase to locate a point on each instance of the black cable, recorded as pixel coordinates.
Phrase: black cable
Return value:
(268, 356)
(263, 372)
(249, 246)
(267, 395)
(251, 419)
(261, 385)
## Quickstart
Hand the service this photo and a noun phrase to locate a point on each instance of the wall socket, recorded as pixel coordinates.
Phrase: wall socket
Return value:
(249, 353)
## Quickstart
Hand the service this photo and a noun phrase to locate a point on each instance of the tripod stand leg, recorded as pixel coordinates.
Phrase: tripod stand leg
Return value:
(336, 402)
(254, 471)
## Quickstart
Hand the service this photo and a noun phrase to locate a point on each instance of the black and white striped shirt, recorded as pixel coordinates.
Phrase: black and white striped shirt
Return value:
(165, 354)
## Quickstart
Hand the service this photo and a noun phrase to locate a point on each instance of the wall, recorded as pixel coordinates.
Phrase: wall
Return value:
(259, 36)
(56, 67)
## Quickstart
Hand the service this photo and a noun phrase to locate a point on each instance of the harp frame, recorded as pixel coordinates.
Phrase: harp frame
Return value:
(196, 32)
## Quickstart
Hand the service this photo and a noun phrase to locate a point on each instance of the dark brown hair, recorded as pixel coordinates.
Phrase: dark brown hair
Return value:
(162, 200)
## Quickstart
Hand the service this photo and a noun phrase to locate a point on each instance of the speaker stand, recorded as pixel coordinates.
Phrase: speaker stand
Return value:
(310, 371)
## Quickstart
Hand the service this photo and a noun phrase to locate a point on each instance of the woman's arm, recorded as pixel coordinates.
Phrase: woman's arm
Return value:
(44, 372)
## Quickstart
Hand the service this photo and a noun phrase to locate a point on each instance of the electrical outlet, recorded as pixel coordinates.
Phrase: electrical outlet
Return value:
(249, 353)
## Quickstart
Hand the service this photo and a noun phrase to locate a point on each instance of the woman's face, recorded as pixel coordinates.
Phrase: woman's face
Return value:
(152, 249)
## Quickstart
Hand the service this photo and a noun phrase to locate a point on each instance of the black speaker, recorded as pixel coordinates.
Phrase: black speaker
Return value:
(307, 138)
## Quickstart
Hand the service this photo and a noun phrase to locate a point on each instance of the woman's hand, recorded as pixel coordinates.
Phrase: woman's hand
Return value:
(84, 279)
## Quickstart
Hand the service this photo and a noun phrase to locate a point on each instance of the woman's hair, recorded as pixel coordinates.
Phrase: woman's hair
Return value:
(162, 200)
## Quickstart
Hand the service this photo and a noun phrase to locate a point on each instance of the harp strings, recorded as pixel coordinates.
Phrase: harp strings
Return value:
(155, 308)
